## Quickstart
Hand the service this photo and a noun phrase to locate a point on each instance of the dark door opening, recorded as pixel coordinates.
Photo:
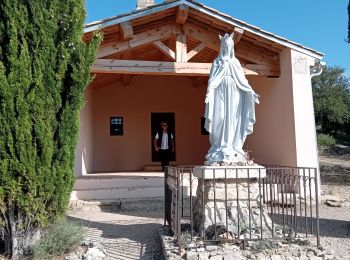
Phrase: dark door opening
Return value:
(156, 119)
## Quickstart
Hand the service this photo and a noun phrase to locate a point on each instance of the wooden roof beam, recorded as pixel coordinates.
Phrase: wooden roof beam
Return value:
(256, 56)
(155, 67)
(138, 40)
(181, 48)
(212, 41)
(165, 49)
(203, 35)
(182, 14)
(126, 30)
(126, 78)
(201, 46)
(238, 33)
(264, 70)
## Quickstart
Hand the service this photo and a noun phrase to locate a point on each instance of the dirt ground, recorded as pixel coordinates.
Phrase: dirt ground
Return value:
(335, 185)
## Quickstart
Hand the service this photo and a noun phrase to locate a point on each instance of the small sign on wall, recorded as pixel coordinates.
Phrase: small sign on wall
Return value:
(300, 65)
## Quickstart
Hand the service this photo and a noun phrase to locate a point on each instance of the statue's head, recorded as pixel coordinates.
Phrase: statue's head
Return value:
(226, 48)
(226, 40)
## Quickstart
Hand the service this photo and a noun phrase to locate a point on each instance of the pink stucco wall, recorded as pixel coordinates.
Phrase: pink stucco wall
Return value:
(284, 133)
(135, 103)
(304, 117)
(273, 140)
(85, 152)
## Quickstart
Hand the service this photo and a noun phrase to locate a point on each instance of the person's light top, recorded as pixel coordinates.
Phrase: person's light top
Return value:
(164, 145)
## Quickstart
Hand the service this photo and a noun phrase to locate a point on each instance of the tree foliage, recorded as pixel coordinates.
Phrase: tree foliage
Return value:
(332, 100)
(44, 69)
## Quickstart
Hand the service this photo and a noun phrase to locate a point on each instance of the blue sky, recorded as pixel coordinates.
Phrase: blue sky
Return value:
(318, 24)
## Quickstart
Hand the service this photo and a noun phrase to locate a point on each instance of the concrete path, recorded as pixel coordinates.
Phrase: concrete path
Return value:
(124, 235)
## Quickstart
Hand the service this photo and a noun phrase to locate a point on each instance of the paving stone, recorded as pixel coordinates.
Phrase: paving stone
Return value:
(191, 256)
(232, 255)
(216, 257)
(289, 257)
(203, 256)
(211, 248)
(276, 257)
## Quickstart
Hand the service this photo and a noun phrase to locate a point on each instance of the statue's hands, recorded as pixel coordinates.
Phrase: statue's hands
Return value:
(208, 96)
(256, 98)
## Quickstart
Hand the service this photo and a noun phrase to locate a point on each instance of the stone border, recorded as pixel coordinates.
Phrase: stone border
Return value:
(166, 241)
(148, 204)
(232, 172)
(259, 250)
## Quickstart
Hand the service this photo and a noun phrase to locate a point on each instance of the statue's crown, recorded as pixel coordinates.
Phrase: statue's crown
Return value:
(226, 36)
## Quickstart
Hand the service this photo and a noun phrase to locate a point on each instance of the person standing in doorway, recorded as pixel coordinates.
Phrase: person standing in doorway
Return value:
(164, 144)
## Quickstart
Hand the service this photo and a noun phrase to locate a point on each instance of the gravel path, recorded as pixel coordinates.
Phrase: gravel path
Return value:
(334, 221)
(124, 235)
(335, 230)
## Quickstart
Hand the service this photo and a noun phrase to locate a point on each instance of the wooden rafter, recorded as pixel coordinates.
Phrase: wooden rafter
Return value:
(127, 31)
(126, 78)
(238, 33)
(196, 50)
(165, 49)
(155, 67)
(182, 14)
(241, 51)
(203, 35)
(255, 56)
(138, 40)
(264, 70)
(252, 55)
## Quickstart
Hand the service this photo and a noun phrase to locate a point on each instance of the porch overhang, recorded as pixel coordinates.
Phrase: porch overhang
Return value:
(156, 68)
(211, 13)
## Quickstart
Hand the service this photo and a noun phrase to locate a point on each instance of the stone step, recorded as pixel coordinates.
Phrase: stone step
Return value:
(107, 183)
(112, 194)
(143, 204)
(115, 186)
(157, 168)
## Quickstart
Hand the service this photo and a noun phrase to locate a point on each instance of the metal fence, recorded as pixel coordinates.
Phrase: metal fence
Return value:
(239, 204)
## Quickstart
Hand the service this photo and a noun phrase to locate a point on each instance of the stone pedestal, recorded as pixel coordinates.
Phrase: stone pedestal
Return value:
(230, 208)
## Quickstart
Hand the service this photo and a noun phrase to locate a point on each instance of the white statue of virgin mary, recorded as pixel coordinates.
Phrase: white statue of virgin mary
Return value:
(230, 107)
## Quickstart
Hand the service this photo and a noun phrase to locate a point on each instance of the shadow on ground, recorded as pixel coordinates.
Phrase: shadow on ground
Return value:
(334, 228)
(335, 175)
(125, 240)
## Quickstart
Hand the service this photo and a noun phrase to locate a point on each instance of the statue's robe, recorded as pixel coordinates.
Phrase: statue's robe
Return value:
(230, 109)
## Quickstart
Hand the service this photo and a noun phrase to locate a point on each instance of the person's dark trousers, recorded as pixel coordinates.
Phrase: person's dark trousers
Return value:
(164, 156)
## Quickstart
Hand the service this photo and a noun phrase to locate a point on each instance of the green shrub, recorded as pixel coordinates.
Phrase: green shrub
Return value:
(59, 239)
(325, 141)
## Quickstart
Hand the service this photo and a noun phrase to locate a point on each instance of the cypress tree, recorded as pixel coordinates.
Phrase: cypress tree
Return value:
(44, 70)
